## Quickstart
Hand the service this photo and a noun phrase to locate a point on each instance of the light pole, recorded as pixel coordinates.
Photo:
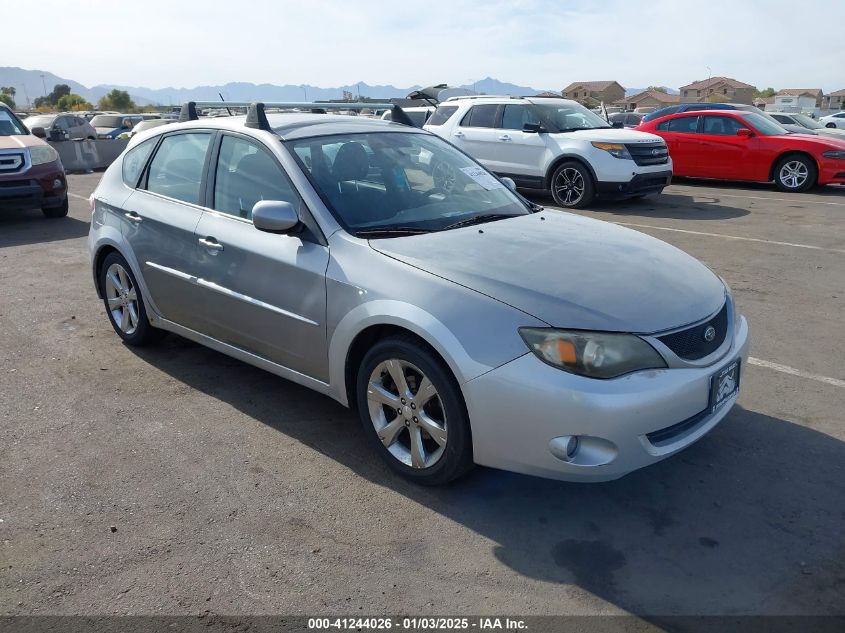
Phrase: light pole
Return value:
(305, 92)
(43, 85)
(709, 75)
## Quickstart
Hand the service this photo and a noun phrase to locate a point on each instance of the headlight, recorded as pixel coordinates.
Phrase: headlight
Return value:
(41, 154)
(592, 354)
(617, 150)
(835, 154)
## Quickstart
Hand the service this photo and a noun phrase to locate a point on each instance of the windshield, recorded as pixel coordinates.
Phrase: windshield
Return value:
(567, 117)
(765, 125)
(401, 182)
(107, 120)
(10, 125)
(806, 121)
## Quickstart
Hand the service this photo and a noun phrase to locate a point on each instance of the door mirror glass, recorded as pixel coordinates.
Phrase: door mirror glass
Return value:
(744, 131)
(40, 132)
(533, 128)
(274, 216)
(509, 183)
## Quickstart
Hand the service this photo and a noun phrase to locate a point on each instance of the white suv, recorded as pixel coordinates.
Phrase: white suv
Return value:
(552, 144)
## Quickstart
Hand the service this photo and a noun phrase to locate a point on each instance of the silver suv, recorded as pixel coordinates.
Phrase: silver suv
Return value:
(465, 326)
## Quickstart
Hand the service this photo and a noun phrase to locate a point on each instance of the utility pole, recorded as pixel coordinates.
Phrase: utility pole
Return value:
(43, 85)
(305, 92)
(709, 75)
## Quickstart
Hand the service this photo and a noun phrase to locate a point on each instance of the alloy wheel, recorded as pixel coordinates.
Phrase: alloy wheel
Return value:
(794, 174)
(122, 299)
(569, 186)
(407, 413)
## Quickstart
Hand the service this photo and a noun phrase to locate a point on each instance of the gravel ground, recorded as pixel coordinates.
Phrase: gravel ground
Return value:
(175, 480)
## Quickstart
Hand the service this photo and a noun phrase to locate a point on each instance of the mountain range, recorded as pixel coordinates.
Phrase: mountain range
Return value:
(30, 84)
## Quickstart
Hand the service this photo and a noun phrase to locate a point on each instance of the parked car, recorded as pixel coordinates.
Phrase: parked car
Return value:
(493, 332)
(110, 126)
(418, 114)
(553, 144)
(738, 145)
(31, 173)
(687, 107)
(807, 122)
(625, 119)
(834, 120)
(148, 124)
(62, 127)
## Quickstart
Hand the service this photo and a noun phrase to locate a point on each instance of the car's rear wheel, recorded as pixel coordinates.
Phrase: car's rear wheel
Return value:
(830, 125)
(412, 411)
(57, 212)
(795, 173)
(124, 303)
(572, 185)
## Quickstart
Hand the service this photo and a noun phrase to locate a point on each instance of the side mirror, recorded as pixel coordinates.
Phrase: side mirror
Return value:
(509, 183)
(274, 216)
(744, 131)
(533, 128)
(618, 124)
(40, 132)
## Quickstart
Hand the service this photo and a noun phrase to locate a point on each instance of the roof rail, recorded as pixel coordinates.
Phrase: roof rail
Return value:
(461, 97)
(256, 111)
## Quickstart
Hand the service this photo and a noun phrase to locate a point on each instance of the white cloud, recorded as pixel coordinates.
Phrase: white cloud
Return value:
(545, 44)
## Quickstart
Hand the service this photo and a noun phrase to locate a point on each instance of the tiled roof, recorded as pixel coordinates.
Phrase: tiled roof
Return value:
(797, 92)
(708, 83)
(654, 94)
(838, 93)
(598, 86)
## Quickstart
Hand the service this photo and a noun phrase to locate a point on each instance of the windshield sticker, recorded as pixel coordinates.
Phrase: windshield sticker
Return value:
(483, 178)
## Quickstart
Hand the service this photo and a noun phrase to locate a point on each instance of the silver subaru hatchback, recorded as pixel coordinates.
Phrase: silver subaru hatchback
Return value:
(377, 264)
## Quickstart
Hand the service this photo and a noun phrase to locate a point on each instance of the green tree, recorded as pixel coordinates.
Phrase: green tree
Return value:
(59, 91)
(662, 89)
(7, 99)
(73, 102)
(768, 92)
(9, 91)
(117, 100)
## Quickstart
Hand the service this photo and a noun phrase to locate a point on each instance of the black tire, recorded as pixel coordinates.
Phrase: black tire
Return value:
(57, 212)
(782, 181)
(572, 185)
(142, 333)
(456, 456)
(830, 125)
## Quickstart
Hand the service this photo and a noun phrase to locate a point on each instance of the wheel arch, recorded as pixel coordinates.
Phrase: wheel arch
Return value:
(565, 158)
(792, 152)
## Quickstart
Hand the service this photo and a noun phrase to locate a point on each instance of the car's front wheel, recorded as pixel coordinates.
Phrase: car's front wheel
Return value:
(124, 303)
(412, 411)
(795, 173)
(572, 185)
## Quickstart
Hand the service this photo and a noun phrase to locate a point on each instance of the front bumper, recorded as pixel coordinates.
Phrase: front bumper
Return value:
(639, 185)
(831, 172)
(518, 409)
(34, 188)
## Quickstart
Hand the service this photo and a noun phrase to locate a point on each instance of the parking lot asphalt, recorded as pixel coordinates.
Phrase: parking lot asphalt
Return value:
(176, 480)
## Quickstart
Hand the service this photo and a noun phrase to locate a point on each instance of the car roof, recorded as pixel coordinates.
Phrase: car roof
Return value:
(499, 99)
(296, 125)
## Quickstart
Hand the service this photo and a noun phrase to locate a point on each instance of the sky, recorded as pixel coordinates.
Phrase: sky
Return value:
(544, 44)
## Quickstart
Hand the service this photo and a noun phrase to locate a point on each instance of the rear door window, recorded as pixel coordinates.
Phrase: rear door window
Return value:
(681, 125)
(442, 114)
(177, 167)
(481, 116)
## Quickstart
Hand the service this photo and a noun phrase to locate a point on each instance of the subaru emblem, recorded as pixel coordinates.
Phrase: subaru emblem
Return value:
(709, 334)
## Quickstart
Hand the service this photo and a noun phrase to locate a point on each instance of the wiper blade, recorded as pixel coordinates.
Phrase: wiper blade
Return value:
(478, 219)
(393, 231)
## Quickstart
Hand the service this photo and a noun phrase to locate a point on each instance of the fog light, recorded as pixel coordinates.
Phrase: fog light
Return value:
(583, 450)
(565, 447)
(57, 183)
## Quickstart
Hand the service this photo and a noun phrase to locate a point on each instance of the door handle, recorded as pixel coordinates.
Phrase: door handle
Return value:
(458, 134)
(134, 217)
(504, 137)
(211, 244)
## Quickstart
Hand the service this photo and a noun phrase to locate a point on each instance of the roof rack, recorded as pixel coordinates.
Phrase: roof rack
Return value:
(461, 97)
(256, 116)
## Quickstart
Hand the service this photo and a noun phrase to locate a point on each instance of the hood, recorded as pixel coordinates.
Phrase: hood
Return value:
(570, 271)
(610, 135)
(19, 141)
(798, 129)
(818, 141)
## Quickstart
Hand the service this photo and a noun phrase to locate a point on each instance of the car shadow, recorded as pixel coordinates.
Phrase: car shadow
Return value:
(825, 190)
(663, 205)
(747, 521)
(18, 228)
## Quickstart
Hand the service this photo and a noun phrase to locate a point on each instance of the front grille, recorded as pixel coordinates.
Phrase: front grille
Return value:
(691, 344)
(11, 162)
(9, 184)
(648, 153)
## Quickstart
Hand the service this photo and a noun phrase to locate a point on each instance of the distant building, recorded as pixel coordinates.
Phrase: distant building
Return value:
(834, 101)
(592, 93)
(723, 89)
(649, 99)
(798, 99)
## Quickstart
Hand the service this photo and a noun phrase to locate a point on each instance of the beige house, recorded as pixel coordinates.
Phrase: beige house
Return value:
(592, 93)
(724, 89)
(650, 99)
(834, 101)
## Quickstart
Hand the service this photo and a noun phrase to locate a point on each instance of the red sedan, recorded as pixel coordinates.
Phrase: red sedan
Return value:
(739, 145)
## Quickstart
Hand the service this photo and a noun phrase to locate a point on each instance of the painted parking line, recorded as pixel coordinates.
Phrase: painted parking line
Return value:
(731, 237)
(733, 195)
(76, 195)
(785, 369)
